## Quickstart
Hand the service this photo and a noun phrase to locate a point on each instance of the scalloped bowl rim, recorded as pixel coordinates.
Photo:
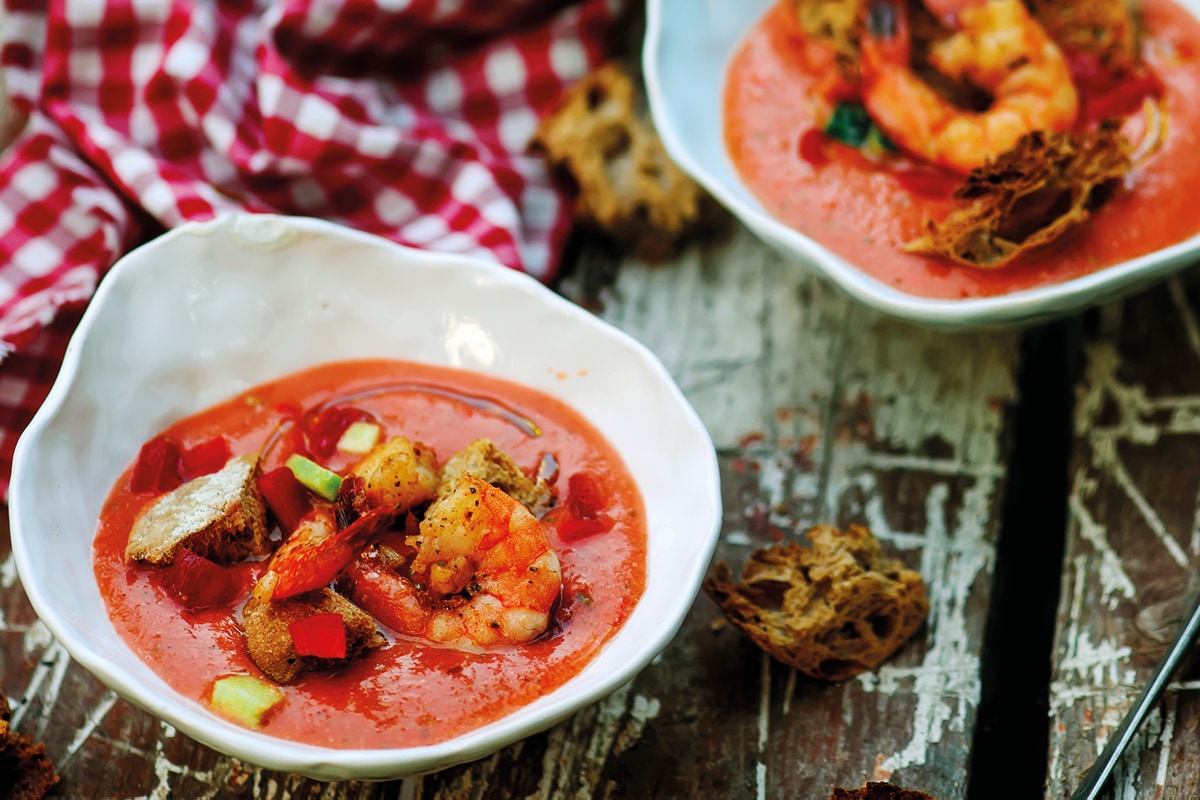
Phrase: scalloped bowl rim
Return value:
(1012, 307)
(329, 763)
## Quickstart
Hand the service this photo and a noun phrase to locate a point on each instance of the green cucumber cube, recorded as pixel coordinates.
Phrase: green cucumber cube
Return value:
(316, 478)
(245, 699)
(360, 437)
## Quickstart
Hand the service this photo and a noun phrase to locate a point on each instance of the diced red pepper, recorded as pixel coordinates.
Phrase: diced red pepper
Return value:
(157, 466)
(583, 496)
(583, 514)
(928, 181)
(1105, 93)
(1126, 98)
(323, 429)
(321, 635)
(1088, 71)
(205, 458)
(196, 582)
(287, 498)
(572, 528)
(812, 147)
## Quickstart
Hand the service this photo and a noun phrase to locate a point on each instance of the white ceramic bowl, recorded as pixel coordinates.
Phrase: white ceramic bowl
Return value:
(211, 309)
(688, 46)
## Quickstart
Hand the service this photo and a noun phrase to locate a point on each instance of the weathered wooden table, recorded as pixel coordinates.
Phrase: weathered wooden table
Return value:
(1021, 472)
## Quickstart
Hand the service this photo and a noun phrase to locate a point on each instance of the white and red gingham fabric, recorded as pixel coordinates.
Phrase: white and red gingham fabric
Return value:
(405, 118)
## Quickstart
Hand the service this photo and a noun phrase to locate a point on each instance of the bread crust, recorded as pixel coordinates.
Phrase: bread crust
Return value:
(879, 791)
(627, 186)
(832, 610)
(25, 770)
(269, 641)
(220, 516)
(484, 459)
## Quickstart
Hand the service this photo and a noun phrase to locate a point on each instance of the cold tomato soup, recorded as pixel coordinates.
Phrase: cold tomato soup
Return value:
(863, 213)
(405, 693)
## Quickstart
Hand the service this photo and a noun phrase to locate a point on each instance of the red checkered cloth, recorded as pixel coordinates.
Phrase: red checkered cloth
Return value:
(405, 118)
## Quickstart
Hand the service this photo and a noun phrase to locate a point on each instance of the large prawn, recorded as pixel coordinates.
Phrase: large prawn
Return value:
(484, 574)
(393, 478)
(997, 46)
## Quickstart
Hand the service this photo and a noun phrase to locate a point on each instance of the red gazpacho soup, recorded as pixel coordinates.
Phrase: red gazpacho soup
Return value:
(426, 675)
(865, 211)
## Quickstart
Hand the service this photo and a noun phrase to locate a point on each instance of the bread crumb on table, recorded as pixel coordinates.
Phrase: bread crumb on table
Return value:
(832, 610)
(25, 771)
(879, 791)
(625, 184)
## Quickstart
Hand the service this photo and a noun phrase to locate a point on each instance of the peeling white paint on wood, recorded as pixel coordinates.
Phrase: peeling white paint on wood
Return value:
(1129, 542)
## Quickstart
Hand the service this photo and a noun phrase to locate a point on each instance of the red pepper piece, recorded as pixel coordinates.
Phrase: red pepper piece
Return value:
(324, 429)
(287, 498)
(157, 466)
(812, 147)
(1124, 99)
(1105, 93)
(925, 181)
(321, 635)
(196, 582)
(205, 458)
(584, 515)
(583, 496)
(572, 528)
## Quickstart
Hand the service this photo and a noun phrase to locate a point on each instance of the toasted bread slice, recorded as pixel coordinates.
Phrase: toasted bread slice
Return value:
(831, 611)
(220, 516)
(270, 643)
(484, 459)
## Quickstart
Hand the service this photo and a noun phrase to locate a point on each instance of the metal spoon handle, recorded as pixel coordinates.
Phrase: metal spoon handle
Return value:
(1097, 776)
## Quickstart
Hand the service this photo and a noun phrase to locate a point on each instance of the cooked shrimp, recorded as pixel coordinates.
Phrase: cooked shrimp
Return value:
(484, 575)
(398, 473)
(998, 47)
(317, 552)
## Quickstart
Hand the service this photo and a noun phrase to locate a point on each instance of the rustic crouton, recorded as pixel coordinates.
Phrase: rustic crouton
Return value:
(831, 611)
(25, 771)
(879, 791)
(483, 459)
(270, 643)
(220, 516)
(1031, 195)
(627, 186)
(1110, 30)
(398, 473)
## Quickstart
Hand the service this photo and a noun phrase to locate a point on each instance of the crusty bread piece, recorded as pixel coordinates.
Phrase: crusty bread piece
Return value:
(25, 771)
(220, 516)
(627, 186)
(484, 459)
(270, 644)
(831, 611)
(879, 791)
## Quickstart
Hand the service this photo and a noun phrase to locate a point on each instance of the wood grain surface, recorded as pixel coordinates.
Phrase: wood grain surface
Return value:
(1133, 545)
(821, 411)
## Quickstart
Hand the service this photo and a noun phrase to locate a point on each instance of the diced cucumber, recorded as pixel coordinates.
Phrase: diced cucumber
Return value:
(849, 123)
(245, 699)
(359, 437)
(315, 478)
